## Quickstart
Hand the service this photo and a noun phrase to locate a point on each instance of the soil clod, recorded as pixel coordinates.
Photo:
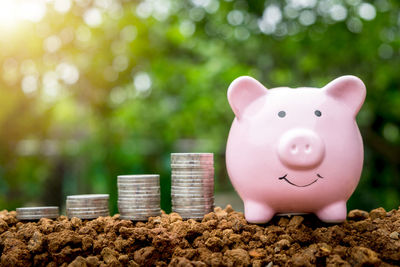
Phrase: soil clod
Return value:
(222, 238)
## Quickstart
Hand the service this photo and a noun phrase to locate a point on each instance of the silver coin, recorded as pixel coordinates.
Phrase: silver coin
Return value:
(192, 165)
(192, 168)
(88, 217)
(190, 195)
(80, 201)
(138, 176)
(180, 204)
(181, 168)
(139, 184)
(192, 155)
(141, 201)
(138, 198)
(187, 203)
(89, 196)
(192, 158)
(135, 214)
(193, 206)
(138, 181)
(36, 217)
(139, 206)
(192, 171)
(139, 211)
(134, 195)
(37, 214)
(192, 188)
(40, 215)
(192, 200)
(138, 192)
(126, 181)
(192, 179)
(148, 207)
(86, 211)
(141, 187)
(192, 184)
(127, 188)
(198, 185)
(87, 208)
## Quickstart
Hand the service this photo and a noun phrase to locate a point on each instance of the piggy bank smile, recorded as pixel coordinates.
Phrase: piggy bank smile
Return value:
(285, 178)
(284, 141)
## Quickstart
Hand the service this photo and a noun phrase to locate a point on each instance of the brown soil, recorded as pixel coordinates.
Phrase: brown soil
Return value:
(223, 238)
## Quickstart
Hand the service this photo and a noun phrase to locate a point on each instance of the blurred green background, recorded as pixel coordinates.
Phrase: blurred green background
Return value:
(93, 89)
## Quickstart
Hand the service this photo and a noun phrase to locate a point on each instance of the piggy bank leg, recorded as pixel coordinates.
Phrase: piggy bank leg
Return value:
(333, 213)
(256, 212)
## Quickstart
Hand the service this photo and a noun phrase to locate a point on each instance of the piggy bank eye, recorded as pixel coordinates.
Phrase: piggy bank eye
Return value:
(317, 113)
(281, 114)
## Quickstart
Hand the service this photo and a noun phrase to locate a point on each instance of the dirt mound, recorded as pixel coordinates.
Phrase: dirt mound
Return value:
(223, 238)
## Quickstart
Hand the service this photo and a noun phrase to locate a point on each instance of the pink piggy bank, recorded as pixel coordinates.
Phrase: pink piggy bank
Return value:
(295, 150)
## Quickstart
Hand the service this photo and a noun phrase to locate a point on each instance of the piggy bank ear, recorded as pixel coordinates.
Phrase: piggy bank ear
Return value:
(242, 92)
(349, 90)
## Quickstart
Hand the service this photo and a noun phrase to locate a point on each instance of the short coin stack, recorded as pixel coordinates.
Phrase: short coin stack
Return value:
(192, 184)
(36, 213)
(89, 206)
(139, 196)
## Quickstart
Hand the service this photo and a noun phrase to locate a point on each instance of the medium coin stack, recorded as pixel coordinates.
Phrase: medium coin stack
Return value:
(36, 213)
(192, 184)
(89, 206)
(139, 196)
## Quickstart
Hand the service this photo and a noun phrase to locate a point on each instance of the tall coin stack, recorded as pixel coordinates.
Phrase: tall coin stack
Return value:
(89, 206)
(192, 184)
(36, 213)
(139, 196)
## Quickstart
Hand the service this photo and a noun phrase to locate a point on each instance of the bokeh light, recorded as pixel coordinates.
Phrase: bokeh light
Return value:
(90, 89)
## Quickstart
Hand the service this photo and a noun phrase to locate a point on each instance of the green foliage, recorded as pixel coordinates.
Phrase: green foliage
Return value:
(153, 78)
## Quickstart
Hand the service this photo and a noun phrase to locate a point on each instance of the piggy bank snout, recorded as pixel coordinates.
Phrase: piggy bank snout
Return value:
(301, 149)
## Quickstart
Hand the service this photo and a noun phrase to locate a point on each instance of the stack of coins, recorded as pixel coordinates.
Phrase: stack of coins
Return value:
(36, 213)
(87, 206)
(139, 196)
(192, 181)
